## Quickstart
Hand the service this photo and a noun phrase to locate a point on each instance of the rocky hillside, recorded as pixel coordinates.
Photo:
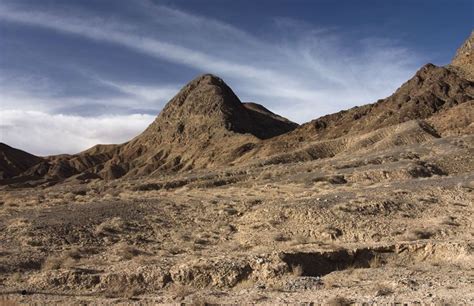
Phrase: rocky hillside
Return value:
(464, 58)
(206, 126)
(442, 96)
(13, 162)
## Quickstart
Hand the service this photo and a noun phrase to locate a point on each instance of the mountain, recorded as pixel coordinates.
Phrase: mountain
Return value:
(14, 162)
(439, 96)
(463, 61)
(208, 102)
(206, 126)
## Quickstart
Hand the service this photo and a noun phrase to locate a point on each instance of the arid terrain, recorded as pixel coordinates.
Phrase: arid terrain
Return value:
(220, 201)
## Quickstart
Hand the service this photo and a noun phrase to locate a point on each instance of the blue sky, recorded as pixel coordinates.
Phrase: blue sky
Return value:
(77, 73)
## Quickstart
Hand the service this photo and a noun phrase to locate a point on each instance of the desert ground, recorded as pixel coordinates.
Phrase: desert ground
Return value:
(224, 202)
(384, 226)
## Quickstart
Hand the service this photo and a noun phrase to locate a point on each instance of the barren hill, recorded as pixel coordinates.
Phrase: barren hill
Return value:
(441, 96)
(206, 126)
(13, 162)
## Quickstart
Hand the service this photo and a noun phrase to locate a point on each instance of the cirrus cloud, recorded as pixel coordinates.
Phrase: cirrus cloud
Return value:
(303, 73)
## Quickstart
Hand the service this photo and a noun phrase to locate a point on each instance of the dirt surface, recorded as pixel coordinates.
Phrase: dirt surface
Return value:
(388, 226)
(224, 202)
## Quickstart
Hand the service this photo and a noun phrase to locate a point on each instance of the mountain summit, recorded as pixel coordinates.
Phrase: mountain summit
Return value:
(206, 105)
(203, 125)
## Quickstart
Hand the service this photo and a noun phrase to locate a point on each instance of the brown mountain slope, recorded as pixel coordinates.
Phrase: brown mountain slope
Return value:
(406, 133)
(205, 125)
(458, 120)
(208, 102)
(431, 91)
(464, 58)
(261, 114)
(13, 162)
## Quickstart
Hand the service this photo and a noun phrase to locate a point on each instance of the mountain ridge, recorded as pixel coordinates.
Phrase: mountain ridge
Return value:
(206, 126)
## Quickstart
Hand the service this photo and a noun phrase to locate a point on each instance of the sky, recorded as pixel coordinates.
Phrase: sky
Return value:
(75, 73)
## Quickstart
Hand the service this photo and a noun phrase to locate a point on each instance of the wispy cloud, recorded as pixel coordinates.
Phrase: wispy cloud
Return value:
(303, 73)
(151, 94)
(40, 94)
(102, 30)
(287, 68)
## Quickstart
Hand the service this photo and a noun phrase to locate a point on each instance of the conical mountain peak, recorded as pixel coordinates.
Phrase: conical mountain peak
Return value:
(206, 95)
(204, 124)
(206, 105)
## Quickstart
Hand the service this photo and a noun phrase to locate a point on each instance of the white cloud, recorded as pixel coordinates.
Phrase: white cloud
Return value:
(41, 94)
(146, 93)
(305, 73)
(43, 134)
(296, 69)
(106, 31)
